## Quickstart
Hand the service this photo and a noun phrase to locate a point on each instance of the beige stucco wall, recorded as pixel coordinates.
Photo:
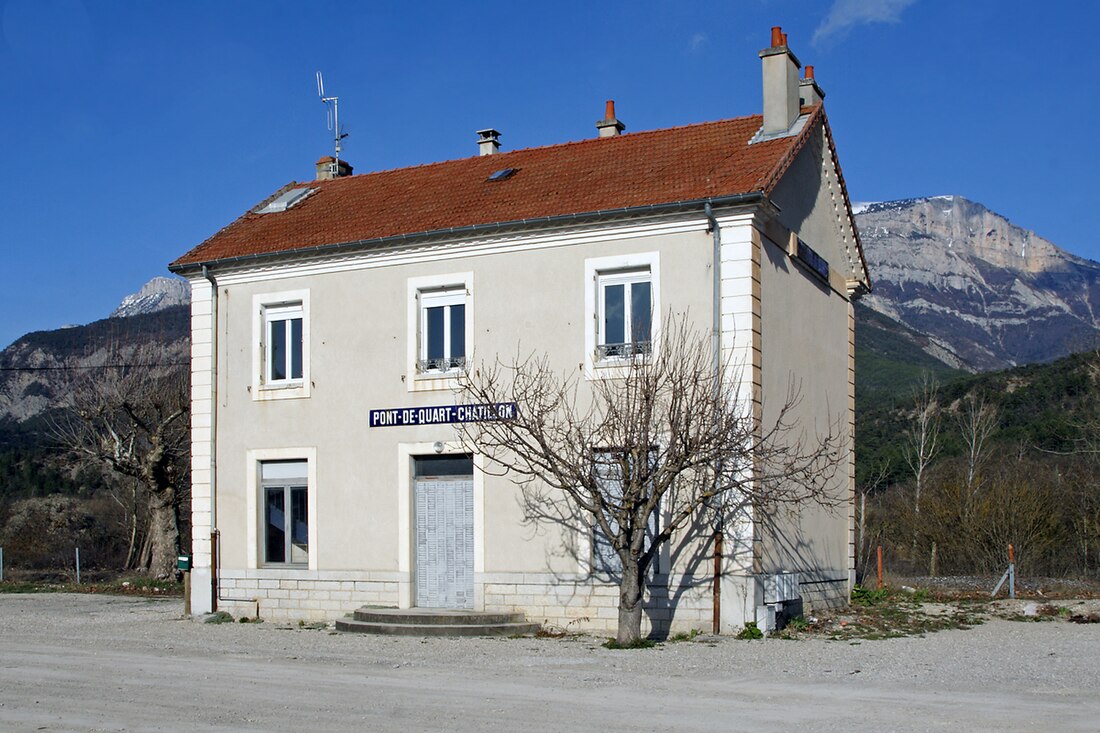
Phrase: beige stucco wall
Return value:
(521, 301)
(805, 343)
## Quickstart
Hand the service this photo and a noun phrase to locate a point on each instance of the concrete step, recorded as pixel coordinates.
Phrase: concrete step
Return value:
(434, 616)
(434, 622)
(395, 629)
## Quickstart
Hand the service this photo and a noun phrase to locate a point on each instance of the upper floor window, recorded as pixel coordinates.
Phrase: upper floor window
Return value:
(283, 347)
(280, 345)
(622, 303)
(442, 330)
(625, 314)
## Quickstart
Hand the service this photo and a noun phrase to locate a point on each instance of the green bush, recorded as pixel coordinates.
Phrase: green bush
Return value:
(751, 631)
(862, 596)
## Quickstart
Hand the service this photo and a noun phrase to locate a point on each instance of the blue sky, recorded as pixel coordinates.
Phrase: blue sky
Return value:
(131, 131)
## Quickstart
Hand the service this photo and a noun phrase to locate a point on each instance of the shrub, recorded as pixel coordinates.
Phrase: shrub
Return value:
(751, 631)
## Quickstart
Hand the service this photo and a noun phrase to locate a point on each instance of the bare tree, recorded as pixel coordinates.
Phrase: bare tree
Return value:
(977, 422)
(867, 538)
(666, 447)
(923, 435)
(132, 418)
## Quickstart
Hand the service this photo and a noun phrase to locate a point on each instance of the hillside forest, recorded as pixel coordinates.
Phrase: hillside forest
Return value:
(951, 472)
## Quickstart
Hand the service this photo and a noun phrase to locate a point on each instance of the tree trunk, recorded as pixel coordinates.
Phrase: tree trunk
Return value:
(164, 536)
(630, 604)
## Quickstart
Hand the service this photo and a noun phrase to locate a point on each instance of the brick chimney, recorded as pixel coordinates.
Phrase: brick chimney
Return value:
(781, 85)
(488, 141)
(609, 126)
(329, 168)
(809, 92)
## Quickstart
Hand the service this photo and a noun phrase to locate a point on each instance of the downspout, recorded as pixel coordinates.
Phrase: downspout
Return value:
(213, 440)
(716, 345)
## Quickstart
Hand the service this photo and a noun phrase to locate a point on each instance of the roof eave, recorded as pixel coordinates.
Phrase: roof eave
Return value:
(750, 197)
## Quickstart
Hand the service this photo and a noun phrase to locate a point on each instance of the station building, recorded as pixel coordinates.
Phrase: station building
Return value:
(330, 324)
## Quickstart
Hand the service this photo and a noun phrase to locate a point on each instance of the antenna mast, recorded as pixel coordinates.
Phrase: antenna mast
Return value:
(333, 104)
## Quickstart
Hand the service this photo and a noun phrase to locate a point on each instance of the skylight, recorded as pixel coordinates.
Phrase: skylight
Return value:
(285, 200)
(502, 174)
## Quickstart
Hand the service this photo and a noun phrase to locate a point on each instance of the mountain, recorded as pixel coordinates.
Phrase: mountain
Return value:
(37, 369)
(157, 294)
(985, 293)
(41, 369)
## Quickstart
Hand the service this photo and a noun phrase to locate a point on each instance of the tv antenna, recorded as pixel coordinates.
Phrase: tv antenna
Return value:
(333, 105)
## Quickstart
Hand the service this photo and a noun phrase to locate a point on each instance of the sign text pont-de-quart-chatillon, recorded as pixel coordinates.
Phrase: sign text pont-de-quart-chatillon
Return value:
(442, 414)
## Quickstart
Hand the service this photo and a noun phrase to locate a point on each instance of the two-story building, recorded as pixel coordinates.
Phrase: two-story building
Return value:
(330, 323)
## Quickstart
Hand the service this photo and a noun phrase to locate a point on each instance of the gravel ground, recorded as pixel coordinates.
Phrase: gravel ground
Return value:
(102, 663)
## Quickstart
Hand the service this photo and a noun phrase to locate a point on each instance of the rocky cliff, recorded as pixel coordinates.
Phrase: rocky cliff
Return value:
(987, 293)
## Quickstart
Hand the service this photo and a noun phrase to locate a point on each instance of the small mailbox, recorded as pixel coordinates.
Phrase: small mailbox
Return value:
(183, 562)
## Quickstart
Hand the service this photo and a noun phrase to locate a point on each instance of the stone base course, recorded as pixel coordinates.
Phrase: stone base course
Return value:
(673, 603)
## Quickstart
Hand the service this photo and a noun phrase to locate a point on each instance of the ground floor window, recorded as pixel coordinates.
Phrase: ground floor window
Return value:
(608, 467)
(285, 505)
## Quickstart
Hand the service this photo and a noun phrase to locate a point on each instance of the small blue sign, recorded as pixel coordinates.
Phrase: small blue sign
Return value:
(442, 414)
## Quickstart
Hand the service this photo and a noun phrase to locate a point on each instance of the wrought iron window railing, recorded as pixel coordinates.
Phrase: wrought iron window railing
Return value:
(623, 351)
(441, 364)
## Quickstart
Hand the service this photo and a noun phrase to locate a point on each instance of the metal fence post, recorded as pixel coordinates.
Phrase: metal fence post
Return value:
(1011, 571)
(879, 553)
(78, 566)
(1, 564)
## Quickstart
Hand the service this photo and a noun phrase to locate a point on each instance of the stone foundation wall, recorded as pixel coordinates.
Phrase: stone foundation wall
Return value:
(672, 603)
(286, 595)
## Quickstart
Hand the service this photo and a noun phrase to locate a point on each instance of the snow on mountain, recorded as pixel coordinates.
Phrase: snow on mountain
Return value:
(993, 293)
(155, 295)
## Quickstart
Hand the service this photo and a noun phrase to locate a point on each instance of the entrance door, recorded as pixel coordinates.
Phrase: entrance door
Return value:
(444, 522)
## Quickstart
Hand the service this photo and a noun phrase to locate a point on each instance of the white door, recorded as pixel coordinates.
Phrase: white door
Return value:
(444, 509)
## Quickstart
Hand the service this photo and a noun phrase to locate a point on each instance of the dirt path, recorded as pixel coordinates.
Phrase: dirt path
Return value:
(97, 663)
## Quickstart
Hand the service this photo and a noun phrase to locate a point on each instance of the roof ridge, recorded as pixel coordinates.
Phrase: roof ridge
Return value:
(566, 144)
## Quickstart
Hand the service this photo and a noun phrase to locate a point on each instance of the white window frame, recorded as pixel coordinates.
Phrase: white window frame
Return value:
(599, 271)
(287, 313)
(286, 485)
(267, 307)
(254, 503)
(630, 345)
(432, 291)
(446, 299)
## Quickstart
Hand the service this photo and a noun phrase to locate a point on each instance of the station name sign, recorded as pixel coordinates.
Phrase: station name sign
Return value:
(442, 415)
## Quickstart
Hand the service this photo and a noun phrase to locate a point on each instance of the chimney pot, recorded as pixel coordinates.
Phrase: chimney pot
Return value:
(809, 92)
(777, 36)
(609, 126)
(488, 141)
(329, 167)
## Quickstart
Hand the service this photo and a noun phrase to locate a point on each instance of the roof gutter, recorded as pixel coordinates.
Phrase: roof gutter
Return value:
(321, 249)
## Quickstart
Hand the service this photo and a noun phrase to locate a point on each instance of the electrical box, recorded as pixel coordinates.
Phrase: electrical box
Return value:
(781, 587)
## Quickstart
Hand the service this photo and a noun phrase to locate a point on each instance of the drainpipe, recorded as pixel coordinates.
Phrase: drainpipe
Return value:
(213, 440)
(716, 314)
(716, 345)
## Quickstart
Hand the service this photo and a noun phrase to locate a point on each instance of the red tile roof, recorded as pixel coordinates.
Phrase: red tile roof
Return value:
(690, 163)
